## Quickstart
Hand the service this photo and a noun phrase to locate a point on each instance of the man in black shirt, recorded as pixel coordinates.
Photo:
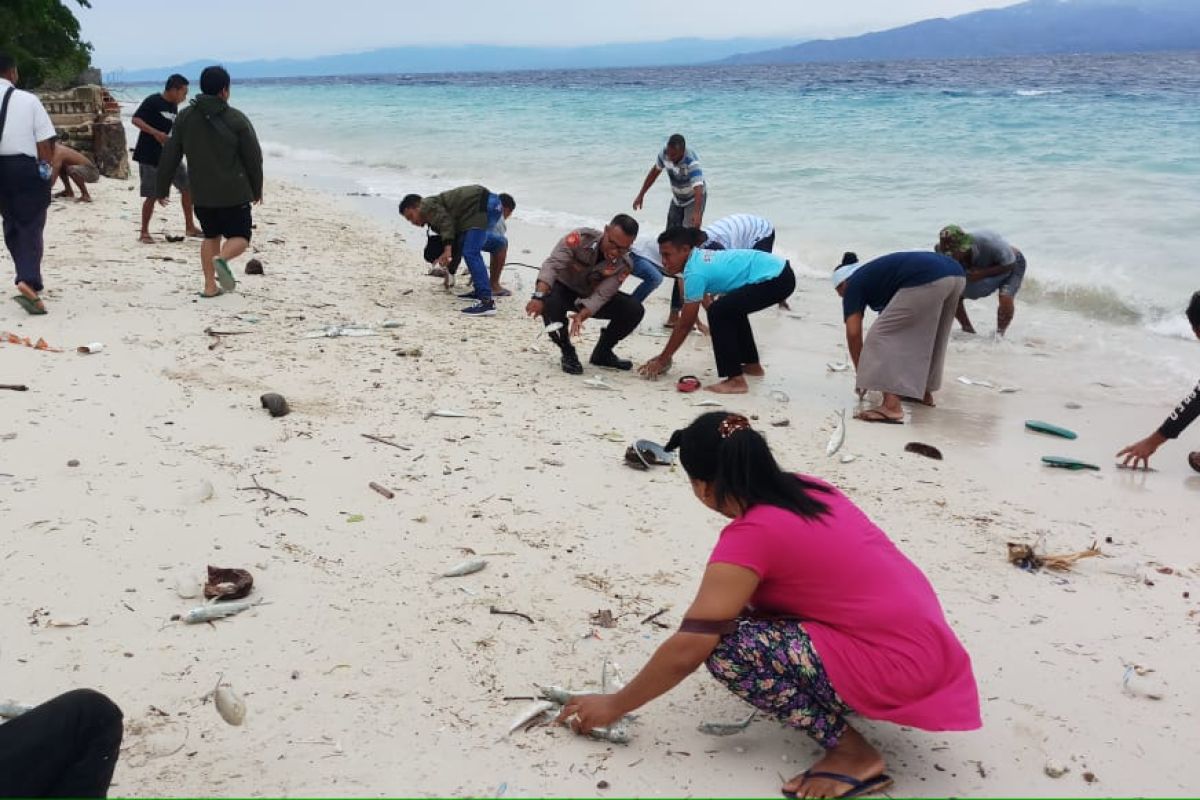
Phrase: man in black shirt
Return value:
(1138, 454)
(154, 118)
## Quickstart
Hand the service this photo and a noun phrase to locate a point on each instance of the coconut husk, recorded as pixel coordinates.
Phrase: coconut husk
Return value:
(228, 583)
(1026, 556)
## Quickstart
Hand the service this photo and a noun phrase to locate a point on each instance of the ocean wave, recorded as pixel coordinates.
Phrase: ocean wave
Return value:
(280, 150)
(1036, 92)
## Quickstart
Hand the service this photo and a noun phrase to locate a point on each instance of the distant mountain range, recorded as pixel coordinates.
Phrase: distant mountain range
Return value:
(1036, 27)
(470, 58)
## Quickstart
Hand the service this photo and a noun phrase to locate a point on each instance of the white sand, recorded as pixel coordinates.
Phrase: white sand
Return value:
(364, 676)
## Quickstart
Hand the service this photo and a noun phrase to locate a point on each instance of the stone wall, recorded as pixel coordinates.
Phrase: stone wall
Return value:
(88, 119)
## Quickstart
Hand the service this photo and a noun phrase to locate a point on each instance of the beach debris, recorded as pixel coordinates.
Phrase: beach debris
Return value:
(90, 349)
(598, 382)
(838, 437)
(14, 387)
(1009, 389)
(1062, 462)
(468, 567)
(837, 366)
(780, 423)
(276, 404)
(654, 620)
(530, 714)
(67, 623)
(1055, 769)
(339, 331)
(602, 785)
(1089, 777)
(975, 382)
(228, 583)
(384, 440)
(604, 618)
(408, 352)
(11, 710)
(383, 490)
(74, 462)
(726, 728)
(653, 453)
(611, 679)
(500, 612)
(1194, 460)
(229, 704)
(24, 341)
(846, 458)
(448, 414)
(258, 487)
(352, 518)
(1072, 405)
(1137, 682)
(215, 611)
(927, 450)
(779, 396)
(1027, 557)
(187, 585)
(707, 404)
(1054, 430)
(254, 267)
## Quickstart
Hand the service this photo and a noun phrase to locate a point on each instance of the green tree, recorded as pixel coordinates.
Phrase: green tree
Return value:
(43, 36)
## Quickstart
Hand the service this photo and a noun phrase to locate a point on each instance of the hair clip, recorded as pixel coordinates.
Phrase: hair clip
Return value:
(732, 424)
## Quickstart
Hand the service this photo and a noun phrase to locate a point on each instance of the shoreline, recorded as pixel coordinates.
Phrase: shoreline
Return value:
(362, 674)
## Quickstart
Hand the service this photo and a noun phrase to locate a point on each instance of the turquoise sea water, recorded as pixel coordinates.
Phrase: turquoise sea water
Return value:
(1091, 165)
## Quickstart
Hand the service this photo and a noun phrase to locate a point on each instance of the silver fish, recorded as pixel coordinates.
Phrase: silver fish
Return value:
(611, 679)
(212, 611)
(839, 434)
(726, 728)
(531, 712)
(446, 413)
(468, 567)
(972, 382)
(598, 383)
(707, 403)
(557, 694)
(837, 366)
(617, 734)
(10, 710)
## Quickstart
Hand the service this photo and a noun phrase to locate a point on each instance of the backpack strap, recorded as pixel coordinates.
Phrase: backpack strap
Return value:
(4, 108)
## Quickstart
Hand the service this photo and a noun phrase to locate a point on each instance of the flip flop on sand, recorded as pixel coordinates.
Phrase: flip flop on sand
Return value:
(877, 415)
(876, 785)
(653, 453)
(34, 307)
(217, 293)
(688, 384)
(502, 292)
(224, 274)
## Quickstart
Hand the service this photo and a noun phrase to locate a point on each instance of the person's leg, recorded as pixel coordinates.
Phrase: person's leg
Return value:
(649, 275)
(555, 306)
(210, 249)
(233, 247)
(675, 214)
(183, 185)
(766, 245)
(472, 254)
(147, 213)
(737, 354)
(84, 195)
(67, 191)
(67, 747)
(24, 238)
(624, 314)
(147, 177)
(497, 249)
(773, 665)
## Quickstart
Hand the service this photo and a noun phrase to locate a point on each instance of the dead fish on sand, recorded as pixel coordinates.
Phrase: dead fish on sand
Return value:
(439, 412)
(229, 705)
(468, 567)
(839, 434)
(11, 710)
(214, 611)
(973, 382)
(837, 366)
(726, 728)
(597, 382)
(530, 713)
(707, 404)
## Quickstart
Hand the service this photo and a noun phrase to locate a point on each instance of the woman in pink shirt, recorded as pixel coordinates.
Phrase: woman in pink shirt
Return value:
(808, 612)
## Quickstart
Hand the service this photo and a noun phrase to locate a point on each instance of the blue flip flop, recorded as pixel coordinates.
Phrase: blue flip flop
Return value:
(224, 274)
(857, 788)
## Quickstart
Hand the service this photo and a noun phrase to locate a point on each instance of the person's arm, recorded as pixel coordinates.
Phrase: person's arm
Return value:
(854, 336)
(149, 130)
(651, 177)
(559, 258)
(698, 205)
(252, 160)
(1138, 454)
(724, 592)
(683, 326)
(168, 162)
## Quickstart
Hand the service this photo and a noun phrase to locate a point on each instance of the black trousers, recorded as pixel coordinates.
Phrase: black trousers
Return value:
(24, 199)
(623, 313)
(66, 747)
(729, 320)
(766, 245)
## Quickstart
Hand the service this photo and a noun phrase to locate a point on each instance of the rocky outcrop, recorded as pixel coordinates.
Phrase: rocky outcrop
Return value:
(88, 119)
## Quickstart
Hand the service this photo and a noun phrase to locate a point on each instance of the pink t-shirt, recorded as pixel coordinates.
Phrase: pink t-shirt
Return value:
(871, 614)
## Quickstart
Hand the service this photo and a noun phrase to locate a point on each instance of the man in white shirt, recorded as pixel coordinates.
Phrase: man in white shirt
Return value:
(26, 149)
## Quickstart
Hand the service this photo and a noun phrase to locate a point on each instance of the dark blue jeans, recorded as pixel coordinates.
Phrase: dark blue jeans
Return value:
(472, 251)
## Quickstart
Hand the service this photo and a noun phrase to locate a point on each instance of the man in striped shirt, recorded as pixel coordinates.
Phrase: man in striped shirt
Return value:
(689, 191)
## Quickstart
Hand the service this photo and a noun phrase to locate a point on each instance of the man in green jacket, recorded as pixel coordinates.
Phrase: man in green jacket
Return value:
(226, 175)
(467, 212)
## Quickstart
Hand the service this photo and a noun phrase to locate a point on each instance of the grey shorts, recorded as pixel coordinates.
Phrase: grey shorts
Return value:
(84, 172)
(149, 176)
(681, 216)
(1008, 284)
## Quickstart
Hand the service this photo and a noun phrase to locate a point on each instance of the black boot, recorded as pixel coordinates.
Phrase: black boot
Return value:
(570, 359)
(603, 355)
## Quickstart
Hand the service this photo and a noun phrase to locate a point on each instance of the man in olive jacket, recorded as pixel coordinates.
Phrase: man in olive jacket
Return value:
(226, 175)
(464, 214)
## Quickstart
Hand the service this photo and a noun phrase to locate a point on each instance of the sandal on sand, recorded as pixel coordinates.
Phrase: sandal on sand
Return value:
(224, 274)
(876, 785)
(653, 453)
(502, 292)
(33, 307)
(688, 384)
(217, 293)
(875, 415)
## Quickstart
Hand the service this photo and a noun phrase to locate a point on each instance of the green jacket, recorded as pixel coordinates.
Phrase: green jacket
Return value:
(456, 211)
(224, 159)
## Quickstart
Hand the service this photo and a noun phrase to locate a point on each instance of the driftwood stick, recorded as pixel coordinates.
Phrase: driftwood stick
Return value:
(260, 488)
(16, 387)
(653, 618)
(382, 440)
(525, 617)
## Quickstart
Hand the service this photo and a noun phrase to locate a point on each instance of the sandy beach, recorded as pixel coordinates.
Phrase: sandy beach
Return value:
(364, 675)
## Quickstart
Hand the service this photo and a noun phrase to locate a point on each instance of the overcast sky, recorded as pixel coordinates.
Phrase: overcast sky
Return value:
(130, 34)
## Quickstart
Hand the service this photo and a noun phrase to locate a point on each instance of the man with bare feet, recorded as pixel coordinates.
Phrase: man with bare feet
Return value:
(26, 148)
(227, 175)
(154, 119)
(992, 264)
(71, 165)
(915, 295)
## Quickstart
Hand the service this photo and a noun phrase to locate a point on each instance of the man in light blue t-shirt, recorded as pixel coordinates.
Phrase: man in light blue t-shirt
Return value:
(689, 191)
